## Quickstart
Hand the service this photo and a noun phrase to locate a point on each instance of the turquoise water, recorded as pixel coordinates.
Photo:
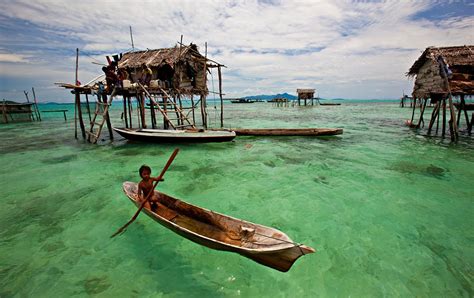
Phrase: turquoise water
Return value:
(389, 210)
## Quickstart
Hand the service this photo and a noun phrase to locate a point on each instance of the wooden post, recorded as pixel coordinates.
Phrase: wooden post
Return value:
(463, 108)
(88, 107)
(79, 112)
(444, 117)
(166, 125)
(192, 110)
(152, 115)
(413, 112)
(38, 116)
(203, 96)
(142, 110)
(129, 101)
(421, 114)
(434, 114)
(107, 118)
(125, 114)
(219, 73)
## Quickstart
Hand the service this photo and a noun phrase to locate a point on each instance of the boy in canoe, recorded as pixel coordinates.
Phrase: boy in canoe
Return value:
(146, 186)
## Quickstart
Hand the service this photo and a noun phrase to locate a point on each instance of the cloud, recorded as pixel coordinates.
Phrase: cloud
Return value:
(341, 48)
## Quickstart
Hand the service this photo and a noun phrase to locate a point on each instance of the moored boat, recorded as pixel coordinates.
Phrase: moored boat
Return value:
(288, 131)
(265, 245)
(176, 136)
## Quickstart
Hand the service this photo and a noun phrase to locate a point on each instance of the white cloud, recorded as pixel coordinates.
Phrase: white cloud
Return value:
(266, 46)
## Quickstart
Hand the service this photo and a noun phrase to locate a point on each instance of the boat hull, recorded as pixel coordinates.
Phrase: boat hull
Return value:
(175, 136)
(218, 231)
(288, 131)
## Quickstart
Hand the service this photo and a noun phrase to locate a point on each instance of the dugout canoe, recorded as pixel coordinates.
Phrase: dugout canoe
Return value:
(288, 131)
(176, 136)
(264, 245)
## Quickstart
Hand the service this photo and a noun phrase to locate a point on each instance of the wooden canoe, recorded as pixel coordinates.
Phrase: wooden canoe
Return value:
(176, 136)
(264, 245)
(288, 131)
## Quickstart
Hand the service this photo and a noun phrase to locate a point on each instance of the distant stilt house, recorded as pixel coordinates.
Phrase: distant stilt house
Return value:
(160, 81)
(306, 95)
(13, 111)
(440, 74)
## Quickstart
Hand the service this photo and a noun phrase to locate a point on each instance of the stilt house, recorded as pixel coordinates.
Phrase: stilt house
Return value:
(441, 73)
(305, 95)
(160, 80)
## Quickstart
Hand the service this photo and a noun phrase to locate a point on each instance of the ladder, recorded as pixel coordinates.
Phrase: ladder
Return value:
(182, 119)
(101, 109)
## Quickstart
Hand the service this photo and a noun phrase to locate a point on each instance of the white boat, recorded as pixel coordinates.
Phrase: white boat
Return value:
(176, 136)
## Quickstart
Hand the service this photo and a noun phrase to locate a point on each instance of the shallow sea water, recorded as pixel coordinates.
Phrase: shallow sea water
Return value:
(389, 210)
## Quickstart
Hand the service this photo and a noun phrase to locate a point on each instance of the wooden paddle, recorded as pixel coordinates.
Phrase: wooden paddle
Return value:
(170, 160)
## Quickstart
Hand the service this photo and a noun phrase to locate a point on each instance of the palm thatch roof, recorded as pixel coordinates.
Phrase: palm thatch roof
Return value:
(428, 79)
(159, 57)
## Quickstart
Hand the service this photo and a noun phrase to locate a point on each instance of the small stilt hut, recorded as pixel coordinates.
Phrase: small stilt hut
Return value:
(306, 95)
(442, 73)
(15, 111)
(160, 81)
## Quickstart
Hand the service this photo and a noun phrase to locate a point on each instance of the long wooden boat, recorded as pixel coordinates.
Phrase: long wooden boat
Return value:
(288, 131)
(265, 245)
(176, 136)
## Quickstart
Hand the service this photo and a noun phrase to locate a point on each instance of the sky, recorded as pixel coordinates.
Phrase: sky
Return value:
(343, 49)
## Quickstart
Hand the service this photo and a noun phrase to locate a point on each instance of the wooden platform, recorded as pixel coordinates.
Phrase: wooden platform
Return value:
(287, 131)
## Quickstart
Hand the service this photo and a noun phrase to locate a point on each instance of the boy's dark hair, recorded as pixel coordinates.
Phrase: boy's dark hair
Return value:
(143, 168)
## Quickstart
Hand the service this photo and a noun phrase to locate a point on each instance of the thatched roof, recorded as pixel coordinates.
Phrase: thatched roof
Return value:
(428, 79)
(159, 57)
(454, 56)
(305, 90)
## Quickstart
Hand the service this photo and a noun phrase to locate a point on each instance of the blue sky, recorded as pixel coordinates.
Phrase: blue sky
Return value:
(344, 49)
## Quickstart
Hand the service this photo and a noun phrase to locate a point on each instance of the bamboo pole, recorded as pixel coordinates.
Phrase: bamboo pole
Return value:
(444, 117)
(129, 101)
(220, 95)
(434, 114)
(203, 96)
(193, 107)
(413, 111)
(125, 114)
(38, 116)
(88, 107)
(421, 114)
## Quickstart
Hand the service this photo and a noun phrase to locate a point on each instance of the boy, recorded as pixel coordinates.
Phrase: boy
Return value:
(146, 186)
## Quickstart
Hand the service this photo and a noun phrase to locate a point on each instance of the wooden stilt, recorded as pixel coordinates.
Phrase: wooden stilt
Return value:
(434, 114)
(129, 100)
(79, 112)
(193, 107)
(37, 113)
(444, 118)
(88, 108)
(142, 110)
(421, 114)
(413, 112)
(152, 115)
(125, 113)
(219, 73)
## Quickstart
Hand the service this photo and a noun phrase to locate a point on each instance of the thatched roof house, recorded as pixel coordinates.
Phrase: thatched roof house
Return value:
(182, 68)
(429, 83)
(305, 93)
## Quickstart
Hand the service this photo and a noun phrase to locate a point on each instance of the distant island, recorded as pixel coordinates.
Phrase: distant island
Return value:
(269, 97)
(266, 97)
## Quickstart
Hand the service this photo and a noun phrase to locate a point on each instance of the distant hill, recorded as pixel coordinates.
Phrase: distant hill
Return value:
(268, 97)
